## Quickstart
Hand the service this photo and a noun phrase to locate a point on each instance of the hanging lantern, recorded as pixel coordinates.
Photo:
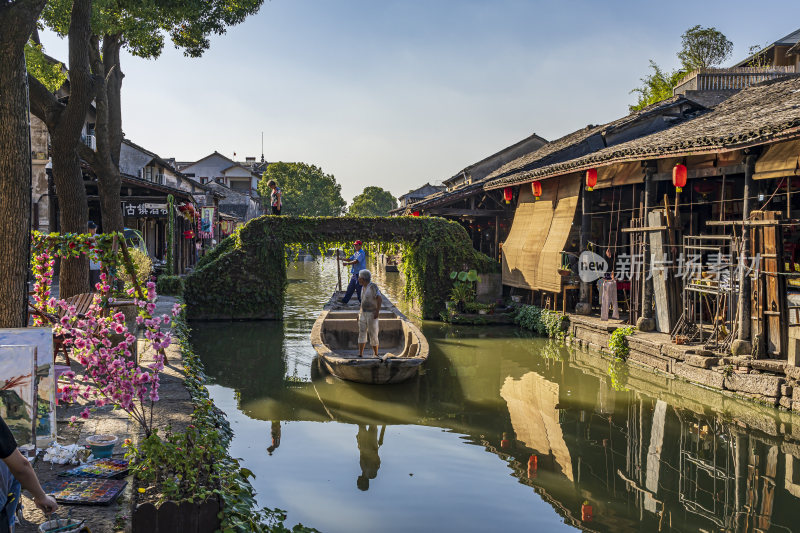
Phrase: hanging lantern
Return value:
(679, 177)
(508, 194)
(537, 189)
(415, 213)
(591, 179)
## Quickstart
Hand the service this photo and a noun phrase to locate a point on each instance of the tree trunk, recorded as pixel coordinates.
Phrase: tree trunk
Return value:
(74, 214)
(17, 21)
(108, 129)
(65, 122)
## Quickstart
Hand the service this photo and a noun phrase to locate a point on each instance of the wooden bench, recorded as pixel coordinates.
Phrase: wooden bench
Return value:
(82, 302)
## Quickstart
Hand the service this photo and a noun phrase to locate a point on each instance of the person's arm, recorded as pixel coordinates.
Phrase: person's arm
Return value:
(279, 198)
(23, 471)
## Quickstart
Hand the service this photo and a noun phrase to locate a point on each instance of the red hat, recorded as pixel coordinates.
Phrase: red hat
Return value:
(357, 243)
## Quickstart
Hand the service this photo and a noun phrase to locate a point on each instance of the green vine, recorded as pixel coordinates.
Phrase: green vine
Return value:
(618, 342)
(245, 275)
(171, 235)
(618, 366)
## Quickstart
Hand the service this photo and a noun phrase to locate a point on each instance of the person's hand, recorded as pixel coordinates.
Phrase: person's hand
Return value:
(46, 503)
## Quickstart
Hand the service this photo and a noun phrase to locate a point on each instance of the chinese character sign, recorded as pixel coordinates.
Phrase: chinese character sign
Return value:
(143, 209)
(206, 222)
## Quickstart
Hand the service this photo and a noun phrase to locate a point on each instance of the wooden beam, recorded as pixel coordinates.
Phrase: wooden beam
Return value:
(650, 228)
(446, 211)
(709, 172)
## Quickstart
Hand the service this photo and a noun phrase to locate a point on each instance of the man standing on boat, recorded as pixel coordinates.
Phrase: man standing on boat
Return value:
(371, 299)
(359, 262)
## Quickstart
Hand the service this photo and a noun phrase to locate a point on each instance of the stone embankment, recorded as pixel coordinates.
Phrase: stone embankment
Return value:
(767, 381)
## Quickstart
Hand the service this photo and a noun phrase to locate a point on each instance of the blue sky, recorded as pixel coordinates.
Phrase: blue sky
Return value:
(398, 93)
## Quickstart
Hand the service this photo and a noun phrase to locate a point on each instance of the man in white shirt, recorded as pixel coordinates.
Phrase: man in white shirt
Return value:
(371, 299)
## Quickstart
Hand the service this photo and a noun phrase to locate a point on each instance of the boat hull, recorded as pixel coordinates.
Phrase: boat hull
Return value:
(403, 348)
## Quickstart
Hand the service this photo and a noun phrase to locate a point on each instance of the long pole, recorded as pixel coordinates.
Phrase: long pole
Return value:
(339, 269)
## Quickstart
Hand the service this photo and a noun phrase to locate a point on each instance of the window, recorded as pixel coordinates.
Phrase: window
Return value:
(148, 173)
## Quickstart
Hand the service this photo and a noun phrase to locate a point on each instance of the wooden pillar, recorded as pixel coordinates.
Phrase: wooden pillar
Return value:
(497, 238)
(646, 321)
(744, 309)
(584, 307)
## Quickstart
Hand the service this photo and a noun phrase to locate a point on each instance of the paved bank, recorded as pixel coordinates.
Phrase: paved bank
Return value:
(767, 381)
(174, 408)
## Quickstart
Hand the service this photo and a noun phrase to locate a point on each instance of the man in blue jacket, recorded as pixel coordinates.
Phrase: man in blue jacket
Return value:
(359, 262)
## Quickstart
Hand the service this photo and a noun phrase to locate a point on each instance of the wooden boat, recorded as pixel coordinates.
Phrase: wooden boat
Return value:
(401, 346)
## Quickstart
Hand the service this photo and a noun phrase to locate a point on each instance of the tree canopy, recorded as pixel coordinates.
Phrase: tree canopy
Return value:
(373, 202)
(656, 86)
(305, 190)
(703, 48)
(700, 48)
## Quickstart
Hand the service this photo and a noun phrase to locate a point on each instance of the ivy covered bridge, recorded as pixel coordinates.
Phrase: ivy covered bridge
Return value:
(244, 277)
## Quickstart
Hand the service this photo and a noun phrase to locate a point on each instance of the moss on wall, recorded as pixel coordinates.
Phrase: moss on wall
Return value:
(244, 277)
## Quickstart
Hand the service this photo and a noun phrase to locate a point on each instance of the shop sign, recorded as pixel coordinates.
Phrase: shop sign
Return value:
(144, 209)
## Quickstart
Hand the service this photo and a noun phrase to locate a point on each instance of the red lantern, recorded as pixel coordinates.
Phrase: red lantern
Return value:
(591, 179)
(537, 189)
(679, 177)
(508, 194)
(415, 213)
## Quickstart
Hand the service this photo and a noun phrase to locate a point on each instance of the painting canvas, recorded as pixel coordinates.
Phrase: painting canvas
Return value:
(42, 339)
(16, 390)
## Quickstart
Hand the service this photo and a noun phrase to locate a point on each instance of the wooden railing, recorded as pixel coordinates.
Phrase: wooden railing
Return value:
(727, 79)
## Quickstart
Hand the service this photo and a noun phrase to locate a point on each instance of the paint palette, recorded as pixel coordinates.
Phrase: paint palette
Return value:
(85, 491)
(101, 468)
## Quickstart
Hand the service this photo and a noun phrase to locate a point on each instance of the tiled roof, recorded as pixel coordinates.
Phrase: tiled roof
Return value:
(586, 140)
(759, 114)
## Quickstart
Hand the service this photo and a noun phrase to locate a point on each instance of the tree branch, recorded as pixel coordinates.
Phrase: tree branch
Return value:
(88, 155)
(44, 104)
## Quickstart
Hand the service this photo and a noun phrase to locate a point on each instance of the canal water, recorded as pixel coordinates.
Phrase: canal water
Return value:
(502, 432)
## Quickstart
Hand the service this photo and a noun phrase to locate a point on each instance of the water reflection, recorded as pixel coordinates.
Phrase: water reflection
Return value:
(368, 444)
(654, 455)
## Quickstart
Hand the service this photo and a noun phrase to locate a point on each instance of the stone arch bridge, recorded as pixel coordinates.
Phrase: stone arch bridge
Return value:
(244, 277)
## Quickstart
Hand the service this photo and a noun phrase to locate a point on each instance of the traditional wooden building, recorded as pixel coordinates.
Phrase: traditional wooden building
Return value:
(486, 215)
(683, 258)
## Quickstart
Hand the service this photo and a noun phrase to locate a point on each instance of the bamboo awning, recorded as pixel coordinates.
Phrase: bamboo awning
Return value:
(778, 161)
(532, 251)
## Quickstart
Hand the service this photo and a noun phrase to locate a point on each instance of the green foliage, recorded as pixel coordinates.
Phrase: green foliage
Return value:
(703, 48)
(305, 190)
(463, 291)
(618, 366)
(40, 67)
(245, 276)
(656, 86)
(144, 25)
(373, 202)
(142, 264)
(169, 285)
(541, 321)
(618, 342)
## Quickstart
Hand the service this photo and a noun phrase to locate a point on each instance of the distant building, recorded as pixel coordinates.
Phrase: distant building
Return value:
(418, 194)
(711, 86)
(218, 168)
